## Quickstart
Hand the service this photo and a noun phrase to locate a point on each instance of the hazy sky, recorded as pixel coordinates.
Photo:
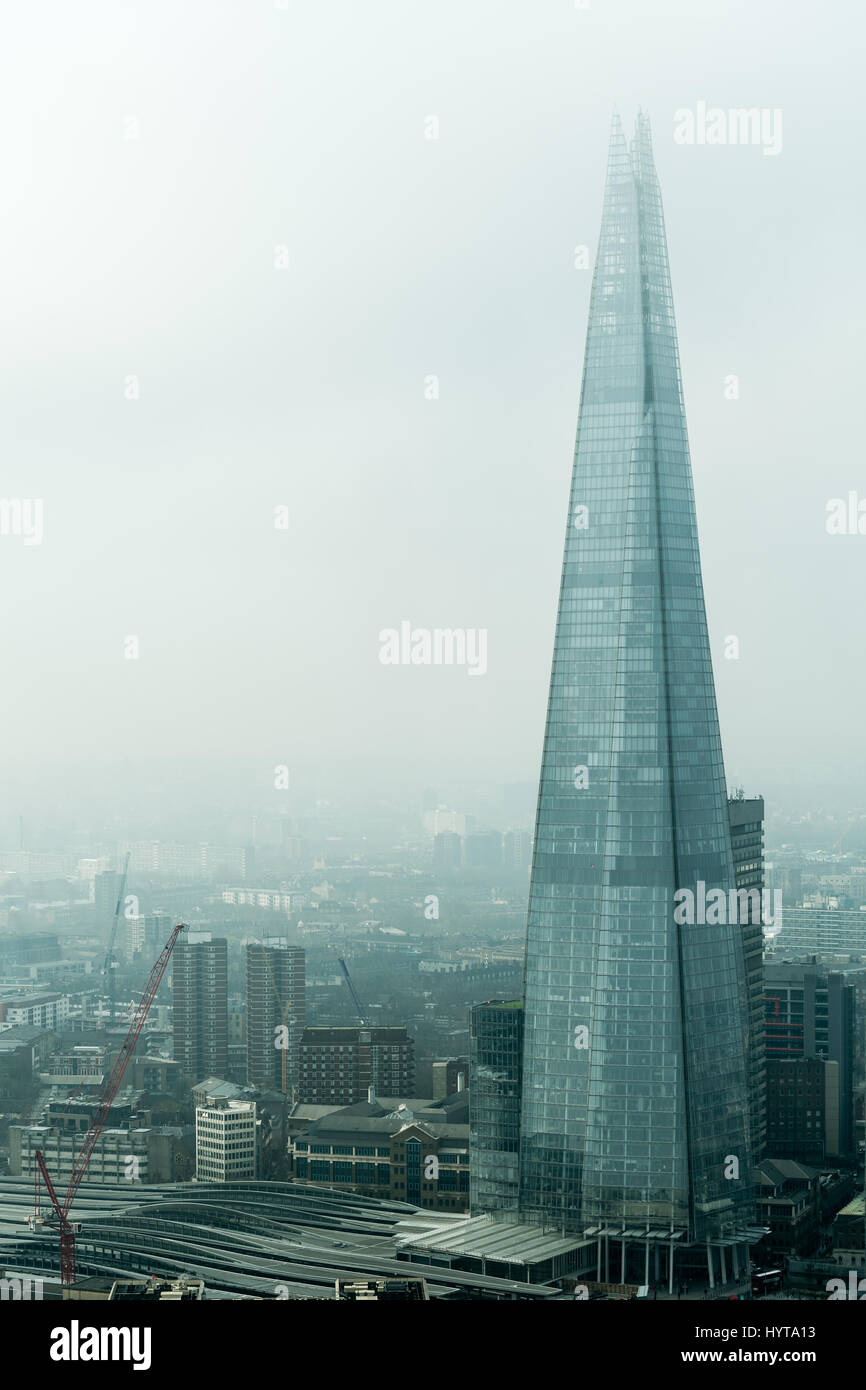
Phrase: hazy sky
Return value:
(157, 155)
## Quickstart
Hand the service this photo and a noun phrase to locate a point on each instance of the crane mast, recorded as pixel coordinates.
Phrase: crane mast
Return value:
(67, 1228)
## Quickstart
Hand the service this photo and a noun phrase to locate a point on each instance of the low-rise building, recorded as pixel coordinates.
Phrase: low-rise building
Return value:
(214, 1091)
(381, 1290)
(849, 1232)
(38, 1010)
(77, 1066)
(788, 1201)
(23, 1051)
(120, 1155)
(415, 1152)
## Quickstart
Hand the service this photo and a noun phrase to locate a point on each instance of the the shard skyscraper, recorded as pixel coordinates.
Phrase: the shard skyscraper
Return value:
(634, 1102)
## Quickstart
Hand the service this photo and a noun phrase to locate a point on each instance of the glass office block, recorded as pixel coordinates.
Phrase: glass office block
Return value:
(634, 1099)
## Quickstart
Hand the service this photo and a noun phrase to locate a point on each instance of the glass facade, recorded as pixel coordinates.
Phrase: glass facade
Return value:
(495, 1057)
(634, 1103)
(746, 819)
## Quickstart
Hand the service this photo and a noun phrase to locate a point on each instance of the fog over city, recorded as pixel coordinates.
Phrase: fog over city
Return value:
(239, 208)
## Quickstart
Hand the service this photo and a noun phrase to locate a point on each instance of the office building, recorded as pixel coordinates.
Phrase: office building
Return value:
(802, 1108)
(414, 1152)
(225, 1141)
(746, 820)
(121, 1154)
(495, 1063)
(810, 1013)
(820, 931)
(635, 1070)
(123, 1150)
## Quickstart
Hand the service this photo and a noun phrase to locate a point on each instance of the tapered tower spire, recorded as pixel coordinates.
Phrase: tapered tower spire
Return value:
(634, 1106)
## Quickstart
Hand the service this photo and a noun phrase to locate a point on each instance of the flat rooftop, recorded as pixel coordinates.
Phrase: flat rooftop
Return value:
(483, 1237)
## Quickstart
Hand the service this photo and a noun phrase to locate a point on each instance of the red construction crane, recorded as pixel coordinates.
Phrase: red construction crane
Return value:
(66, 1227)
